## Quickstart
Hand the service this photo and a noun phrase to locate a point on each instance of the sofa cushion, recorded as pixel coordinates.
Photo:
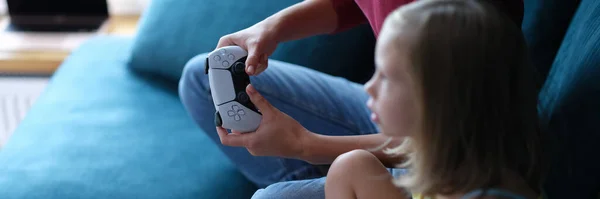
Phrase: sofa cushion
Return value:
(99, 131)
(544, 25)
(173, 31)
(570, 106)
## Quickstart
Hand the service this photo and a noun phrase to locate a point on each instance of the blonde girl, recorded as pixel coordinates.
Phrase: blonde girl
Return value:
(453, 81)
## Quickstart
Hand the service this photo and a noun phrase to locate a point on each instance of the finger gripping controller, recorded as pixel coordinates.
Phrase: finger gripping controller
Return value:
(228, 80)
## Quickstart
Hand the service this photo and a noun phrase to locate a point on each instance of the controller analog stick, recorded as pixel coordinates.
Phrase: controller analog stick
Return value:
(238, 68)
(218, 120)
(243, 97)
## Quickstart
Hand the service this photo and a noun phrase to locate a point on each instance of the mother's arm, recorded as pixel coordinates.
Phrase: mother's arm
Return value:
(323, 149)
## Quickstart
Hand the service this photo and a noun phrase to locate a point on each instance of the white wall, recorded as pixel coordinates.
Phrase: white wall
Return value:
(116, 7)
(127, 7)
(2, 7)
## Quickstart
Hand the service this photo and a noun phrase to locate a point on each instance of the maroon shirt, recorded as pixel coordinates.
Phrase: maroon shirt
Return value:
(354, 12)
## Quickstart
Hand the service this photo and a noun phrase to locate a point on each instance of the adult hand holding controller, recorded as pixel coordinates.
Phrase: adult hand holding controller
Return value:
(306, 18)
(258, 41)
(277, 135)
(255, 124)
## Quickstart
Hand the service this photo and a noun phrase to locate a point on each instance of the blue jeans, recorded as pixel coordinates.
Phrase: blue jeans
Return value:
(321, 103)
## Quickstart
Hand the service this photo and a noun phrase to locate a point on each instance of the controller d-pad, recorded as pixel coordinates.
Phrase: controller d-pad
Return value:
(236, 112)
(231, 56)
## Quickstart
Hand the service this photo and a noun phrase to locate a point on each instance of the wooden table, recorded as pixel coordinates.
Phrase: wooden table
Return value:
(39, 61)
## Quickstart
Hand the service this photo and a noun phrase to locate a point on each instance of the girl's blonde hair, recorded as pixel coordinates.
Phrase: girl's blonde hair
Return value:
(478, 98)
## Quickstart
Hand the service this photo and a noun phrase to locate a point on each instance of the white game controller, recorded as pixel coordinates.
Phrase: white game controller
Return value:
(228, 80)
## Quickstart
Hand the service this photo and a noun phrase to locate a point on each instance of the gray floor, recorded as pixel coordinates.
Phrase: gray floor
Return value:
(17, 94)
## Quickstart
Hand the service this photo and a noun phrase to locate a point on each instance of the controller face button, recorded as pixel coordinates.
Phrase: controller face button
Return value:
(217, 58)
(231, 57)
(243, 97)
(238, 68)
(225, 63)
(223, 51)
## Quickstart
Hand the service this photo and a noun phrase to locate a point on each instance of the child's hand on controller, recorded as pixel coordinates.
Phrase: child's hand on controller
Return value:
(258, 41)
(278, 133)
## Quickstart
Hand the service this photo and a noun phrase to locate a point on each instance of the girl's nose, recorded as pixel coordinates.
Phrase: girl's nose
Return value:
(369, 87)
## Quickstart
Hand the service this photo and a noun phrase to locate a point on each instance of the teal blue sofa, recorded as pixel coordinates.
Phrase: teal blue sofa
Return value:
(110, 123)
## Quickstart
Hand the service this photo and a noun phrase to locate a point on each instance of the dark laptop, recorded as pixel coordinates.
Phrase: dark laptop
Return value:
(57, 15)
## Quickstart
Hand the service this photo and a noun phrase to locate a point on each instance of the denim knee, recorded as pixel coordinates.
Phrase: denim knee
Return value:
(192, 79)
(311, 188)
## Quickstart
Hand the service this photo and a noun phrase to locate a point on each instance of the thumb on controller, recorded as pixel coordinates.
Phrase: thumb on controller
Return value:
(255, 63)
(258, 100)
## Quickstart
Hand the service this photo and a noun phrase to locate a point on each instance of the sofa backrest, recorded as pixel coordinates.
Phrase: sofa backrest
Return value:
(564, 37)
(171, 32)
